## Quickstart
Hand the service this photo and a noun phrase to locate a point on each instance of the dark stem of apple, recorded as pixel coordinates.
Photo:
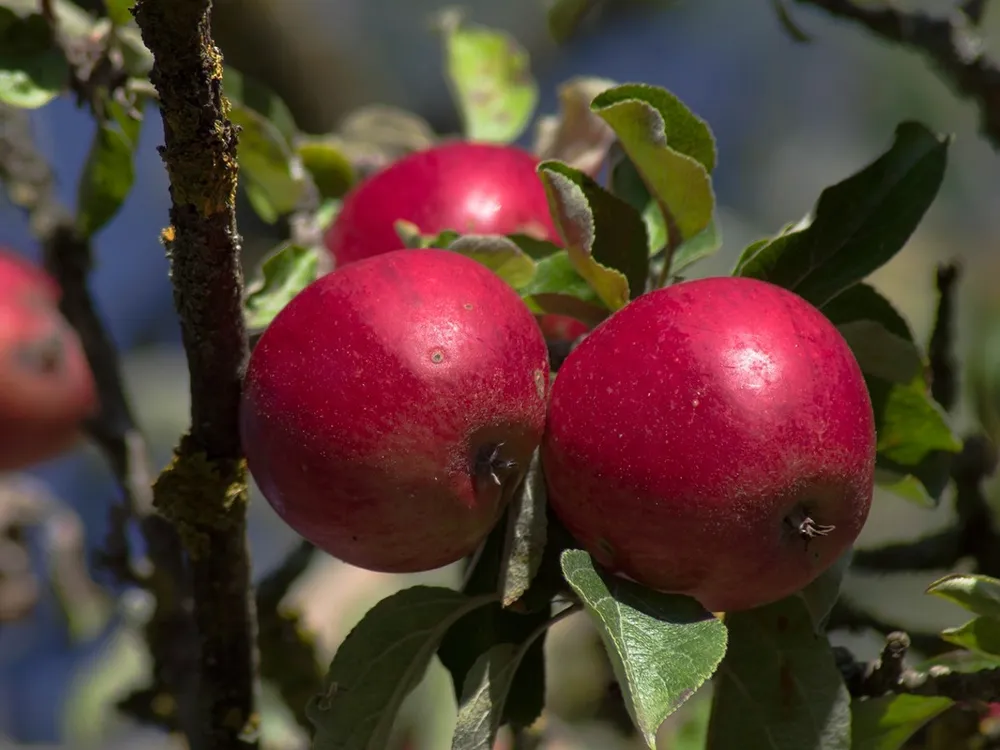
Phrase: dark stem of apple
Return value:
(805, 526)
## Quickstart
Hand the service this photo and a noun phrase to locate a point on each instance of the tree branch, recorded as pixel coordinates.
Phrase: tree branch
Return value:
(887, 674)
(949, 43)
(204, 490)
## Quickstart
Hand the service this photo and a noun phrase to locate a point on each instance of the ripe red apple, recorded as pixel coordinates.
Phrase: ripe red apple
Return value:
(714, 438)
(392, 405)
(46, 386)
(472, 188)
(561, 327)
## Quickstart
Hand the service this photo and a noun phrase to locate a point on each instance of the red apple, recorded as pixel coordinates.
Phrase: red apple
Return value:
(21, 278)
(561, 327)
(46, 386)
(714, 438)
(392, 405)
(472, 188)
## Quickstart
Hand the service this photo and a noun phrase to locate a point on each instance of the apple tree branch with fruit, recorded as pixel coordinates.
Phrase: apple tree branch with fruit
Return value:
(469, 353)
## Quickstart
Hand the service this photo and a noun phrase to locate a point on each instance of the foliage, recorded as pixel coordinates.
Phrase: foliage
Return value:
(775, 677)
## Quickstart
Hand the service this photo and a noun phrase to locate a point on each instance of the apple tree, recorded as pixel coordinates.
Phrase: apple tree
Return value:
(468, 352)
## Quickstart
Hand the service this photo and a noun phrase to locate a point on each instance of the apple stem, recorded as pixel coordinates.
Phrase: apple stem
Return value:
(490, 465)
(806, 527)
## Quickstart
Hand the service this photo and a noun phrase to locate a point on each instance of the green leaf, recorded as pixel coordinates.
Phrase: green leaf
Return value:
(859, 224)
(332, 172)
(273, 180)
(779, 687)
(576, 136)
(981, 634)
(565, 16)
(499, 254)
(662, 647)
(283, 274)
(490, 78)
(821, 595)
(604, 236)
(673, 150)
(977, 593)
(703, 245)
(905, 486)
(108, 173)
(118, 11)
(379, 663)
(526, 535)
(33, 69)
(249, 93)
(886, 723)
(910, 424)
(487, 688)
(877, 334)
(556, 274)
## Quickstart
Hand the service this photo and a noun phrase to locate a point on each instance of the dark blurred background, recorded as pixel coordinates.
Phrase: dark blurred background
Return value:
(790, 118)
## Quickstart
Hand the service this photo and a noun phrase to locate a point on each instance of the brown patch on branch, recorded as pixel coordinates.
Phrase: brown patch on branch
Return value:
(199, 153)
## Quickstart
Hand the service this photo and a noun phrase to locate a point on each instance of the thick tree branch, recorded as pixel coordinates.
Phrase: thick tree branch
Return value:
(170, 632)
(204, 490)
(949, 43)
(887, 674)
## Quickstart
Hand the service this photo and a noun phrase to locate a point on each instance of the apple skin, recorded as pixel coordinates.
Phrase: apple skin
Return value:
(472, 188)
(46, 386)
(376, 398)
(557, 327)
(691, 434)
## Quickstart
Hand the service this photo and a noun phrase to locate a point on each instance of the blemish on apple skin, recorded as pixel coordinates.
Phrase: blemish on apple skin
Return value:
(539, 383)
(468, 305)
(437, 356)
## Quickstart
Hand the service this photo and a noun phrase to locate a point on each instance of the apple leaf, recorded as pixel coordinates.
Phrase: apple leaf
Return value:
(380, 662)
(821, 595)
(981, 634)
(977, 593)
(525, 535)
(564, 16)
(576, 136)
(109, 171)
(283, 274)
(487, 688)
(330, 169)
(910, 424)
(887, 723)
(881, 353)
(879, 336)
(273, 178)
(250, 93)
(33, 69)
(662, 647)
(915, 439)
(604, 236)
(905, 486)
(499, 254)
(489, 74)
(672, 149)
(859, 224)
(779, 686)
(483, 629)
(118, 11)
(627, 184)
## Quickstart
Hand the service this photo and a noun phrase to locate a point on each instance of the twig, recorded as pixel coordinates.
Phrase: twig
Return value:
(288, 657)
(949, 43)
(888, 675)
(943, 367)
(204, 490)
(31, 185)
(846, 616)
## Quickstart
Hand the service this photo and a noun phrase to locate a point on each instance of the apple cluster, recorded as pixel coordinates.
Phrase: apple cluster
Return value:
(713, 438)
(46, 386)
